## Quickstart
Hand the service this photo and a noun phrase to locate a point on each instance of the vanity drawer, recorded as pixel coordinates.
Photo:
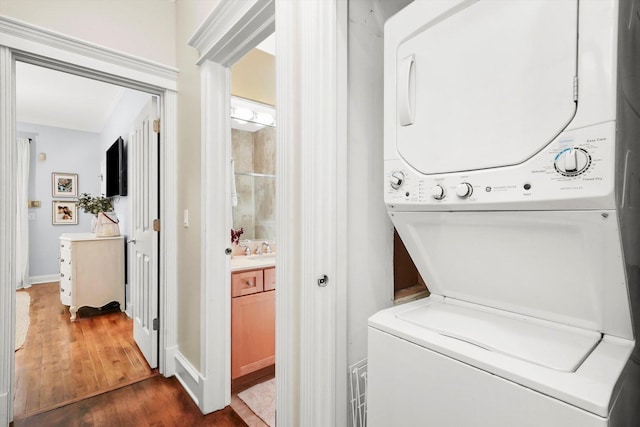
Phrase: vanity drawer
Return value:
(246, 283)
(269, 279)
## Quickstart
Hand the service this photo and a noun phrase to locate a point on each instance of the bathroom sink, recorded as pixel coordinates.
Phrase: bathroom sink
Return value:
(245, 262)
(260, 257)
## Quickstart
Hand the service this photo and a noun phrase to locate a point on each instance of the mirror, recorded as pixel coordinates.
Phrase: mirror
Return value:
(253, 140)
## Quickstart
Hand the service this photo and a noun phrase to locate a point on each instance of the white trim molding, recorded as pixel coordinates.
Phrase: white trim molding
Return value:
(7, 230)
(188, 377)
(310, 199)
(169, 228)
(232, 29)
(46, 278)
(28, 43)
(229, 32)
(215, 304)
(34, 40)
(311, 108)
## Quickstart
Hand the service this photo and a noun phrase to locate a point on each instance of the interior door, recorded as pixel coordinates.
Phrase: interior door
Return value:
(143, 162)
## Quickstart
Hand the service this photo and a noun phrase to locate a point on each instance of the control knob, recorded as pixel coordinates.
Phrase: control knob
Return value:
(437, 192)
(464, 190)
(572, 161)
(397, 179)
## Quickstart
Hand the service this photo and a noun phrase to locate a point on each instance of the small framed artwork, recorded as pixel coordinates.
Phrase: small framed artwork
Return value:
(64, 212)
(64, 184)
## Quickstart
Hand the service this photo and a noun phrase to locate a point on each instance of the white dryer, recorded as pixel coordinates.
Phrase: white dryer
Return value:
(511, 174)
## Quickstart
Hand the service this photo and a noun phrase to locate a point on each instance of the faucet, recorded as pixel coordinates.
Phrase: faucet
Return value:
(247, 249)
(267, 248)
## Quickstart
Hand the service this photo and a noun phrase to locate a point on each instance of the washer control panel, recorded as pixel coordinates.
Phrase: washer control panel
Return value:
(572, 161)
(573, 171)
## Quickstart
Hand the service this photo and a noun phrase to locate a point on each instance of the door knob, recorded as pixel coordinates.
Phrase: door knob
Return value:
(132, 241)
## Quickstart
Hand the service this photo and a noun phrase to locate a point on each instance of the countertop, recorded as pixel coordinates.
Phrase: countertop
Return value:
(251, 262)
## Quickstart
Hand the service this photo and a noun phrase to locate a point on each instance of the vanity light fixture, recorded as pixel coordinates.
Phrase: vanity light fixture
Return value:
(264, 119)
(254, 115)
(242, 113)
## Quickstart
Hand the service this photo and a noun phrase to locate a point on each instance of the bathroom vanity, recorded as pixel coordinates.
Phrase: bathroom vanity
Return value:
(253, 314)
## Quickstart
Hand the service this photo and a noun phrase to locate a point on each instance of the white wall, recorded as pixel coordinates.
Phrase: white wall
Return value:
(120, 124)
(144, 28)
(157, 30)
(370, 271)
(67, 151)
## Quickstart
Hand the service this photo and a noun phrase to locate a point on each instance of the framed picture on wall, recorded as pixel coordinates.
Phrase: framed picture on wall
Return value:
(64, 184)
(64, 212)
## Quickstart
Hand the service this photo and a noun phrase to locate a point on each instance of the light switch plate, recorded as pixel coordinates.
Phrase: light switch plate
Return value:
(185, 218)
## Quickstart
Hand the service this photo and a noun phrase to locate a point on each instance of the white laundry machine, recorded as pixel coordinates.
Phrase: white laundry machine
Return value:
(512, 137)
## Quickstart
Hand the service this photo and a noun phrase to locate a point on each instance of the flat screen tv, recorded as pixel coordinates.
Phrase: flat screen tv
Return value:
(116, 169)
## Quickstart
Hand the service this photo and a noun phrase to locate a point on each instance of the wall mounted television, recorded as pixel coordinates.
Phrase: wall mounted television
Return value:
(116, 169)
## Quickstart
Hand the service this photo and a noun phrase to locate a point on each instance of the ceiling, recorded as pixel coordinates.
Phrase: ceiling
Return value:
(53, 98)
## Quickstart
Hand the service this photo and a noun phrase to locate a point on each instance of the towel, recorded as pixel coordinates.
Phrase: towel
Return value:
(234, 194)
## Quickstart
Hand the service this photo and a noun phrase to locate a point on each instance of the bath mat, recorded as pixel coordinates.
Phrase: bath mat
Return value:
(23, 301)
(261, 398)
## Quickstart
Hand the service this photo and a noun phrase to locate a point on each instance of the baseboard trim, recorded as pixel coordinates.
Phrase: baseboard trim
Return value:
(169, 368)
(47, 278)
(189, 377)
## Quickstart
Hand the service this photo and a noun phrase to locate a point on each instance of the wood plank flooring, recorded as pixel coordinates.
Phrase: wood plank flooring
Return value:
(156, 401)
(63, 361)
(247, 381)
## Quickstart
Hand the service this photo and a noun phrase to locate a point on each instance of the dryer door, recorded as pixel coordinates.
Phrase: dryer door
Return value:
(488, 86)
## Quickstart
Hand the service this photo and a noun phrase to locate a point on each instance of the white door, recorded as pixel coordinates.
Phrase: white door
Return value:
(143, 247)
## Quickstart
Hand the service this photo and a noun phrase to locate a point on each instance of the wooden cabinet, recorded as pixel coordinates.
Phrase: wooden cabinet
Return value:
(253, 321)
(269, 279)
(91, 271)
(246, 283)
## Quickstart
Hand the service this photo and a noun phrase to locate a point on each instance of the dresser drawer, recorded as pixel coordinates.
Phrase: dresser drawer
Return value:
(65, 289)
(246, 283)
(65, 249)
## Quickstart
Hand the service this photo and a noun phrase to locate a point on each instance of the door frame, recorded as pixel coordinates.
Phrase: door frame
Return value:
(311, 171)
(28, 43)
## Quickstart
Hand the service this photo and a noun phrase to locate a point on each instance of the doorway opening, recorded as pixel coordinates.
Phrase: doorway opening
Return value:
(47, 133)
(71, 122)
(253, 265)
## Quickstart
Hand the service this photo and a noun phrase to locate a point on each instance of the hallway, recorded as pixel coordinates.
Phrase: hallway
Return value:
(63, 361)
(156, 401)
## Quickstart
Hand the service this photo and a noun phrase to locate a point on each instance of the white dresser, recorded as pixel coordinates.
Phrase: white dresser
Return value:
(91, 271)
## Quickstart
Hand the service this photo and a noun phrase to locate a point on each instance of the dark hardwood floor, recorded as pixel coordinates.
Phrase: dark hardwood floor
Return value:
(63, 361)
(156, 401)
(91, 373)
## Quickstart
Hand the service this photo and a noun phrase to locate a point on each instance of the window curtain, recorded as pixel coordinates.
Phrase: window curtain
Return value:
(22, 223)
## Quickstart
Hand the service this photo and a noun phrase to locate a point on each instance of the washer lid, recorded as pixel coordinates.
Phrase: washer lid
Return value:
(563, 267)
(559, 347)
(487, 86)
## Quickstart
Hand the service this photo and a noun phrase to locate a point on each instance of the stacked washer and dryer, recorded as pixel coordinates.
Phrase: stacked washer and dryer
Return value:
(512, 138)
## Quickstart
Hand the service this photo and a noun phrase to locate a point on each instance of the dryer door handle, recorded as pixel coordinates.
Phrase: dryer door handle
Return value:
(406, 91)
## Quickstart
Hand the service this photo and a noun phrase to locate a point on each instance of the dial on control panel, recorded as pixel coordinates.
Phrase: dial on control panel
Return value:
(397, 179)
(464, 190)
(437, 192)
(572, 161)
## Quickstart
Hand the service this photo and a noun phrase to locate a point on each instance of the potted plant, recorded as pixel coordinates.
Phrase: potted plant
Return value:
(94, 204)
(105, 221)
